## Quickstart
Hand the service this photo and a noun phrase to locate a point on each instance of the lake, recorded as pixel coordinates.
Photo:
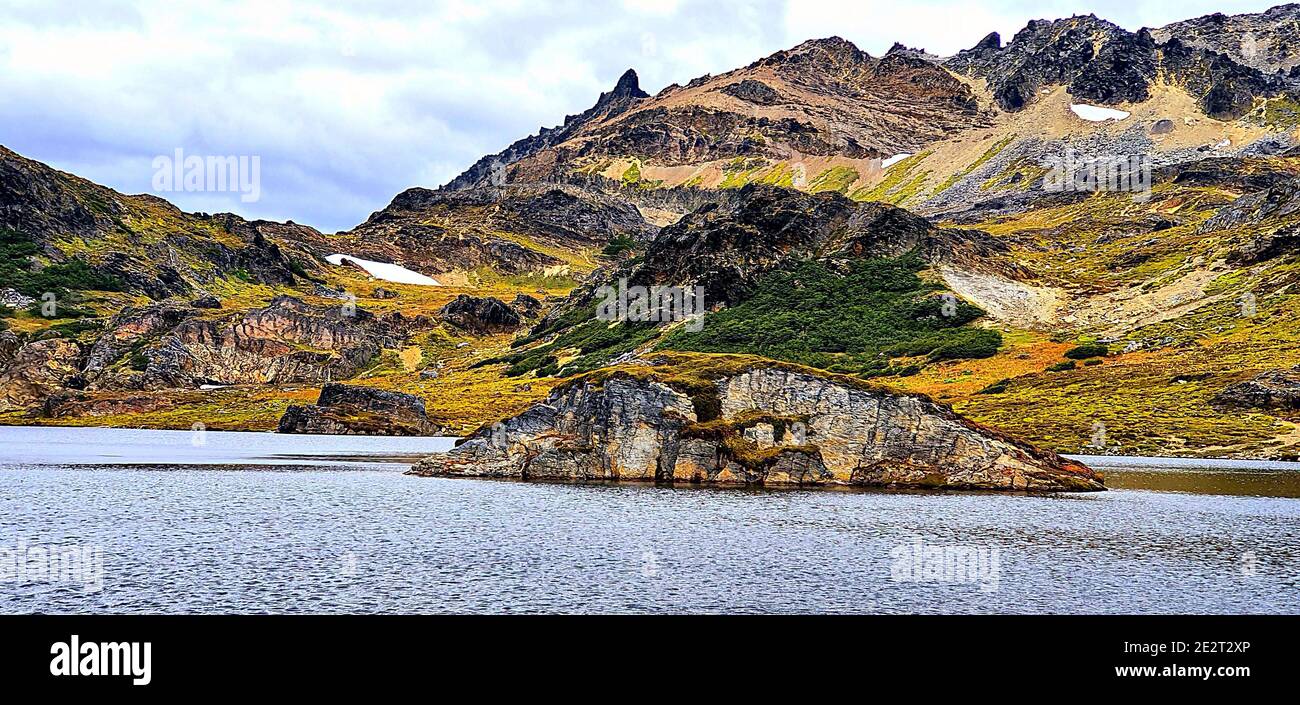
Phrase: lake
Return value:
(181, 522)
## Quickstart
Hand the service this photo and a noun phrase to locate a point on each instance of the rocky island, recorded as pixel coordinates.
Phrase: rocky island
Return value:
(734, 420)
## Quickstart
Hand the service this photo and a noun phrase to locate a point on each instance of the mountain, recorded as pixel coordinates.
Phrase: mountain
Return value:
(1101, 63)
(514, 229)
(1268, 41)
(924, 225)
(490, 170)
(139, 244)
(818, 104)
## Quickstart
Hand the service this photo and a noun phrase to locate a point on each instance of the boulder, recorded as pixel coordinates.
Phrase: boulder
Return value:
(207, 301)
(481, 315)
(756, 422)
(1274, 390)
(360, 411)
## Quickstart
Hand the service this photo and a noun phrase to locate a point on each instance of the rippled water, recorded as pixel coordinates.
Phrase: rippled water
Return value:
(322, 535)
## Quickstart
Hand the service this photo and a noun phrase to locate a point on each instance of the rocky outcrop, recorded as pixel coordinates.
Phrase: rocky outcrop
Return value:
(287, 341)
(37, 369)
(1268, 40)
(1100, 62)
(763, 423)
(167, 346)
(481, 315)
(1273, 390)
(360, 411)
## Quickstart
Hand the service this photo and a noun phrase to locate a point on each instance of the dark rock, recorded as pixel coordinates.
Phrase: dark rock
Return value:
(1272, 390)
(527, 306)
(1268, 41)
(1266, 246)
(356, 410)
(752, 91)
(208, 301)
(481, 316)
(382, 293)
(1162, 127)
(1100, 62)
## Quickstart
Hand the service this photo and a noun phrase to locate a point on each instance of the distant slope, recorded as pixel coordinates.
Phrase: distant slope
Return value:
(145, 244)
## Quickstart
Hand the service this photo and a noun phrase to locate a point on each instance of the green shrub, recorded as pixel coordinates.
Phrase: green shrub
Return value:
(997, 387)
(1063, 366)
(619, 245)
(1087, 350)
(848, 321)
(75, 275)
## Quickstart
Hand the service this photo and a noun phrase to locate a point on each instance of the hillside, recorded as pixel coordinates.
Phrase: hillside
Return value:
(892, 219)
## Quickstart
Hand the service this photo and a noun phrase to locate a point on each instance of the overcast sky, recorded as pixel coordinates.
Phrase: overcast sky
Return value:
(349, 103)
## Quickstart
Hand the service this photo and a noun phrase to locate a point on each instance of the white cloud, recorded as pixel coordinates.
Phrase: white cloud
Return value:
(348, 103)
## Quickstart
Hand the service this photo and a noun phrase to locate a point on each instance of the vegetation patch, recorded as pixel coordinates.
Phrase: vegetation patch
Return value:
(853, 322)
(837, 178)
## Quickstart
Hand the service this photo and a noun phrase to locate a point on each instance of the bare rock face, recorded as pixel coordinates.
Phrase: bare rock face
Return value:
(1275, 389)
(287, 341)
(767, 425)
(360, 411)
(37, 370)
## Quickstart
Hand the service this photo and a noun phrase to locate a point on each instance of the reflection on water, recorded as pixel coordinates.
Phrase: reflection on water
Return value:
(318, 537)
(1248, 483)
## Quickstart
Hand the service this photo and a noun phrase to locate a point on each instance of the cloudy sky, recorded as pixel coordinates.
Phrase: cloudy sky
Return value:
(348, 103)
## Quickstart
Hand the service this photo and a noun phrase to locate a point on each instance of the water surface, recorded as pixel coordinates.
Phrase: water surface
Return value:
(303, 524)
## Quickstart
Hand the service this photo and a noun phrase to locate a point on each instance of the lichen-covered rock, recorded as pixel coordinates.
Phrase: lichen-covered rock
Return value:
(360, 411)
(287, 341)
(770, 424)
(37, 370)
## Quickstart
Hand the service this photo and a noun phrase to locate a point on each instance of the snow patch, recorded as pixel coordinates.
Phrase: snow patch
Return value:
(885, 164)
(1096, 113)
(383, 270)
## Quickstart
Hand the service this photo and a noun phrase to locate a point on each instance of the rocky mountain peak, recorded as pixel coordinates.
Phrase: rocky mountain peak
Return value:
(819, 55)
(491, 170)
(1268, 40)
(1100, 62)
(628, 86)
